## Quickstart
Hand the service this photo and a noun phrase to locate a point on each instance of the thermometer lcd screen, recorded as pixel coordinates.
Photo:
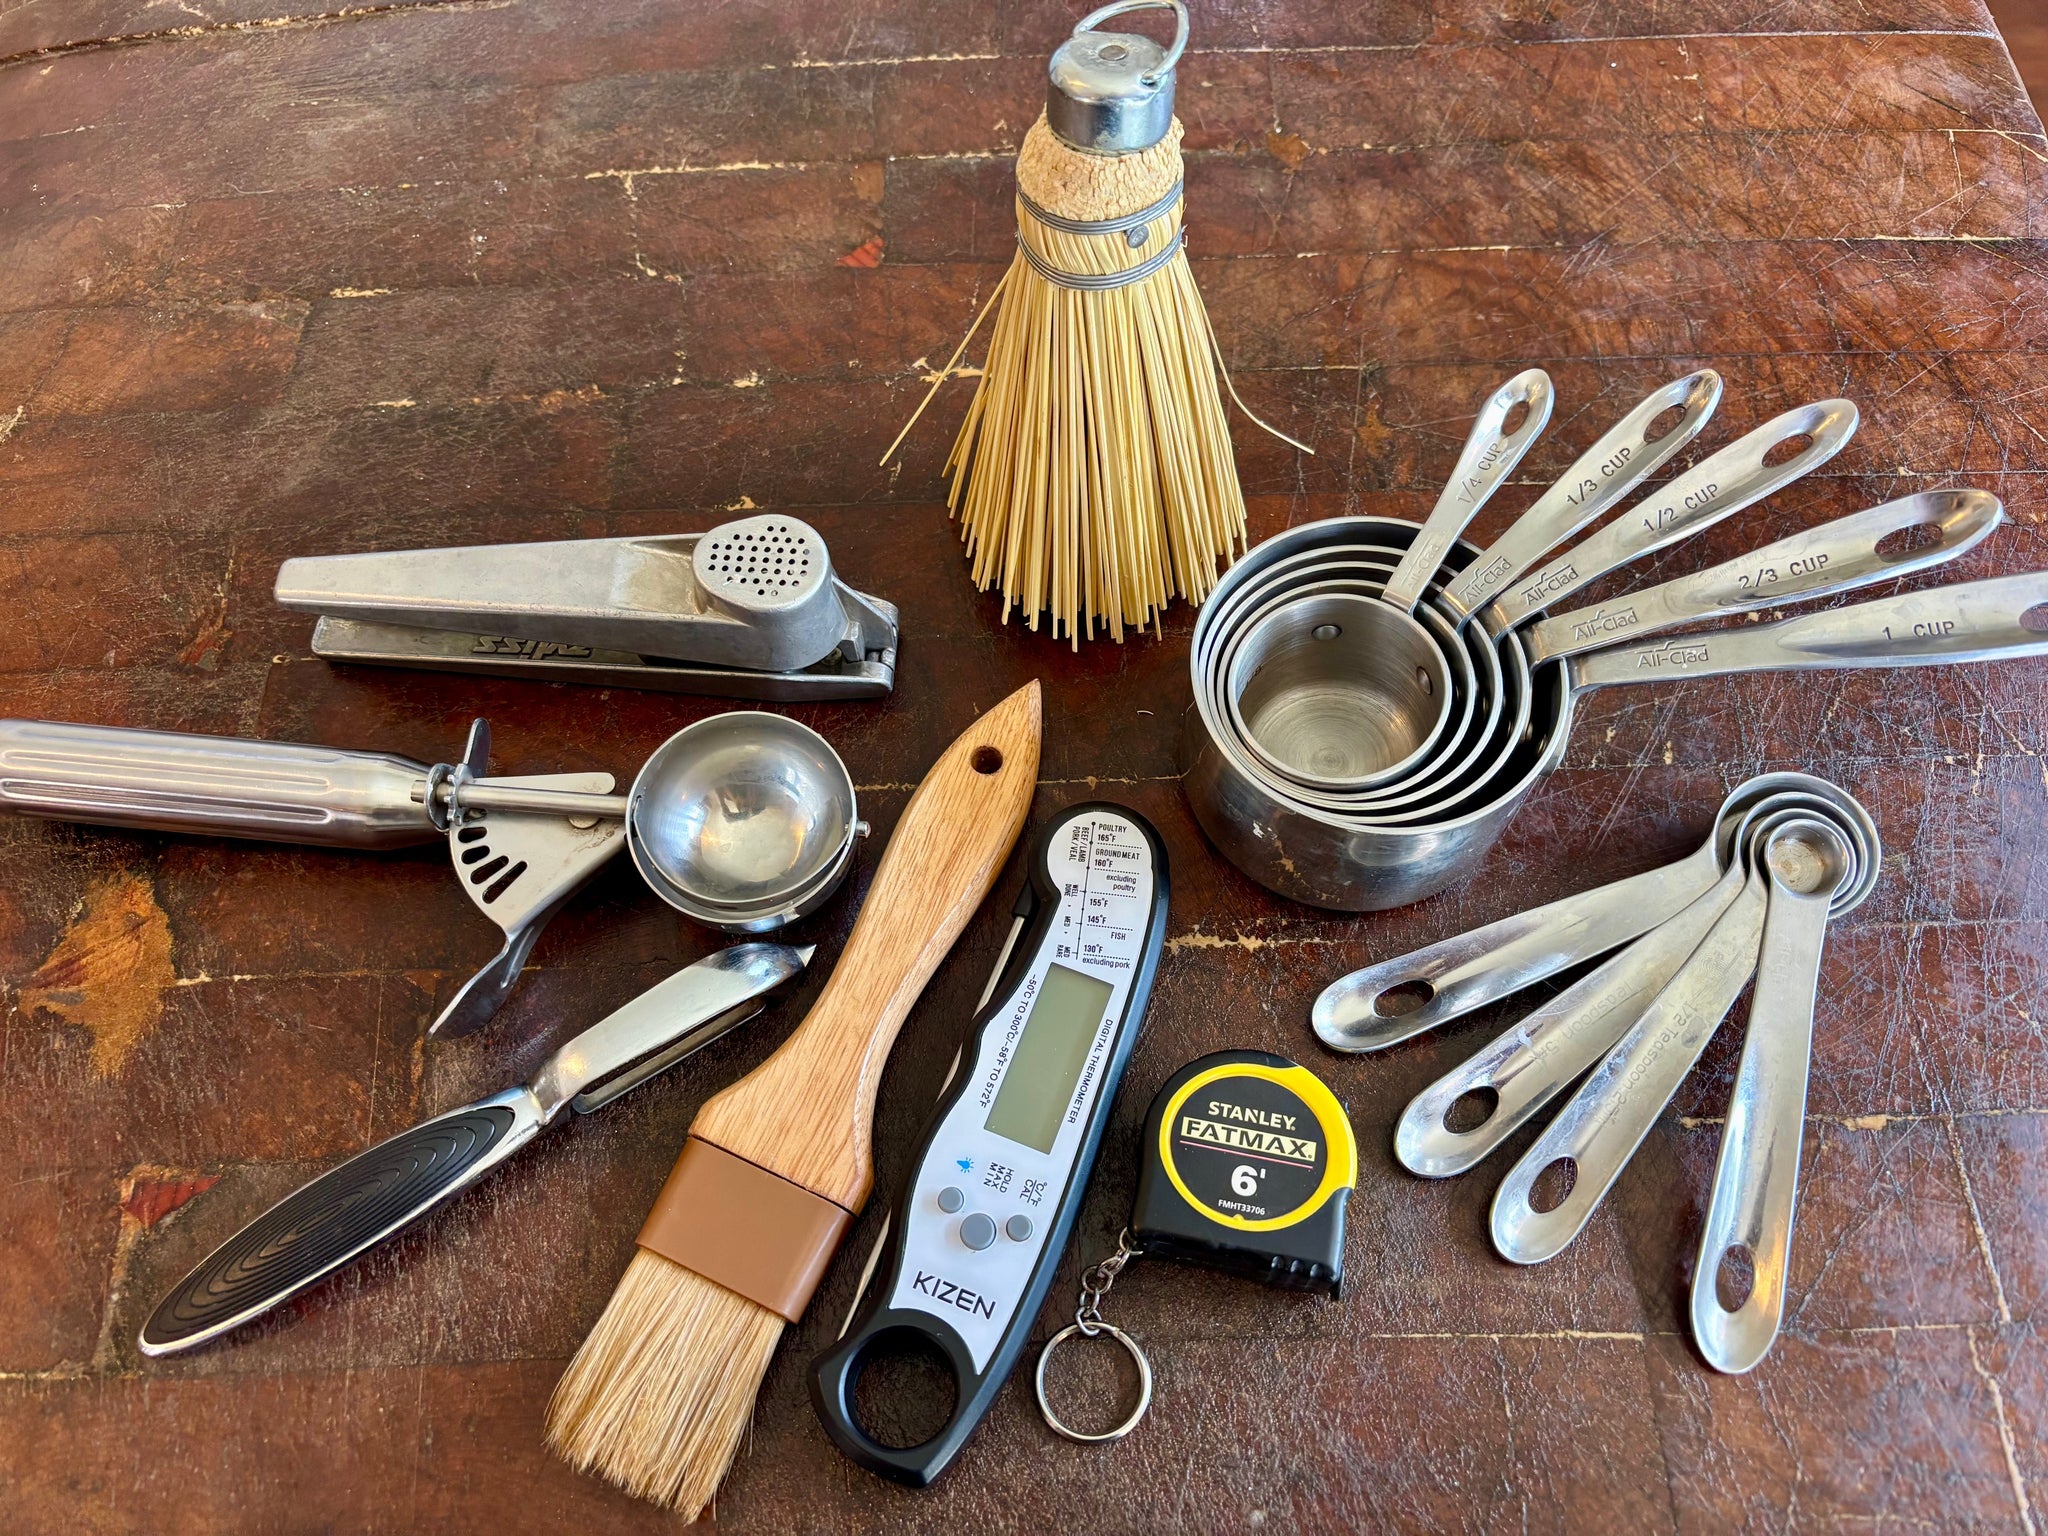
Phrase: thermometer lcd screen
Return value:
(1049, 1057)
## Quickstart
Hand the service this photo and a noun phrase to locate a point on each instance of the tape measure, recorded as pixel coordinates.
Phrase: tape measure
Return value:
(1248, 1164)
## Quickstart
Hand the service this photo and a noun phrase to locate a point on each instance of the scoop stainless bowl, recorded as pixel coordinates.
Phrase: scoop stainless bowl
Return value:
(740, 816)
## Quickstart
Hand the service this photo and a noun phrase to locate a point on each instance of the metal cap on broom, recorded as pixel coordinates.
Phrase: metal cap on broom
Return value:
(1093, 475)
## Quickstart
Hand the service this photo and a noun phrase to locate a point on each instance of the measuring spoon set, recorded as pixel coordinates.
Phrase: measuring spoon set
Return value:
(1788, 853)
(1357, 748)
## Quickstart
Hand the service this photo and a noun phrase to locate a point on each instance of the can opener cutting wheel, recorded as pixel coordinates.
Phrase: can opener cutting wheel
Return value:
(517, 866)
(749, 610)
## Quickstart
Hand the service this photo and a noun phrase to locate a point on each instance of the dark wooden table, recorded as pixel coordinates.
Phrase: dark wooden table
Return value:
(281, 277)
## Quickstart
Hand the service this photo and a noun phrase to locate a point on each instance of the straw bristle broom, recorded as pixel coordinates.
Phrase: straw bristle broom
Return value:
(1093, 475)
(659, 1396)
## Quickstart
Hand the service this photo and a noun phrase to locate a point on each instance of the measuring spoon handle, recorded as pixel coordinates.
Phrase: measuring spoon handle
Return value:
(1756, 1180)
(1839, 556)
(1716, 487)
(1395, 1000)
(1603, 475)
(2006, 616)
(1530, 1064)
(1596, 1134)
(1488, 457)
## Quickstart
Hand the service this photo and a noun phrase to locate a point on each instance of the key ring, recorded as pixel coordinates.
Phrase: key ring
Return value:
(1088, 1323)
(1144, 1382)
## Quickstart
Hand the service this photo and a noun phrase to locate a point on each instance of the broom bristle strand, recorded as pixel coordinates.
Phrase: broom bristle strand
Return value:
(659, 1397)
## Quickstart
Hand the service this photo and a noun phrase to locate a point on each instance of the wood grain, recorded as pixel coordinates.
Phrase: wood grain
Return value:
(284, 277)
(808, 1112)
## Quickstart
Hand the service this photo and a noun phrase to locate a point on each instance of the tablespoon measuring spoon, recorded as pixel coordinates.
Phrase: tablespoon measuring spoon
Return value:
(1599, 1129)
(1756, 1180)
(1604, 474)
(1393, 1000)
(1531, 1063)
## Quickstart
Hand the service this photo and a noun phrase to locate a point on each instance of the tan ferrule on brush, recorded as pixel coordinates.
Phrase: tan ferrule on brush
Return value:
(744, 1228)
(659, 1396)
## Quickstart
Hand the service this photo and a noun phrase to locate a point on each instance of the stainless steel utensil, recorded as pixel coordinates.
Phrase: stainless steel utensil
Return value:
(1479, 689)
(1604, 474)
(1839, 556)
(1348, 700)
(1394, 1000)
(1327, 690)
(1599, 1129)
(522, 845)
(350, 1209)
(1489, 456)
(1718, 486)
(1515, 1075)
(750, 609)
(1756, 1178)
(738, 812)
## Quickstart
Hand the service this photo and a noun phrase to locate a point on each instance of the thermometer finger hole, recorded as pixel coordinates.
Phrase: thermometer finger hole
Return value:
(904, 1389)
(1095, 1390)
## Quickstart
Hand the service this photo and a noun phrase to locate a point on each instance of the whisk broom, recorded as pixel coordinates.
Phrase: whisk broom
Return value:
(775, 1167)
(1093, 475)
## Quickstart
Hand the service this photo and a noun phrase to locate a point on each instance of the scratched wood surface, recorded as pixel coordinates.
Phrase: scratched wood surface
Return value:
(279, 277)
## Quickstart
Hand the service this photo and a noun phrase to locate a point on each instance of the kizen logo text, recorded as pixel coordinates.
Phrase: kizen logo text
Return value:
(948, 1294)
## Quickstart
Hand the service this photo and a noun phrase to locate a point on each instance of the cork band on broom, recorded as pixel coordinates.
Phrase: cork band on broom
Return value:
(1093, 475)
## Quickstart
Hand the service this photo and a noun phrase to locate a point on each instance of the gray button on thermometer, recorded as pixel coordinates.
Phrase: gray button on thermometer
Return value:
(1014, 1136)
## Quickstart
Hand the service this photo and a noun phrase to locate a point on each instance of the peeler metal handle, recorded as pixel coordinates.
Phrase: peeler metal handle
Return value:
(167, 781)
(352, 1207)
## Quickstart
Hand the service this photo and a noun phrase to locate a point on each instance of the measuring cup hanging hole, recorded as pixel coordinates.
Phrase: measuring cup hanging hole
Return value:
(1400, 1001)
(1137, 1413)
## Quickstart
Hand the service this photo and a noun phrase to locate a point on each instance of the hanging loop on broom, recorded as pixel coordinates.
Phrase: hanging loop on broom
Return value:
(1174, 50)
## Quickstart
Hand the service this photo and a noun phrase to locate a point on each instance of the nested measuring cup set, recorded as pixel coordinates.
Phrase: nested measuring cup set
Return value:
(1374, 701)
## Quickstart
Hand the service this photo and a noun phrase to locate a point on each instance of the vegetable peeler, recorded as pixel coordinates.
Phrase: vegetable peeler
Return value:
(350, 1209)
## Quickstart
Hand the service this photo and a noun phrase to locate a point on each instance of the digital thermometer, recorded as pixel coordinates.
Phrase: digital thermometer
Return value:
(976, 1236)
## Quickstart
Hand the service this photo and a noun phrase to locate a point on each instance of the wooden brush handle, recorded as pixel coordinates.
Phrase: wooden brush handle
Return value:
(807, 1112)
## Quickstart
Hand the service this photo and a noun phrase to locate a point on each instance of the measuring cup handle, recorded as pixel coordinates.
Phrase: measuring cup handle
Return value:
(1603, 475)
(1756, 1178)
(1489, 456)
(1716, 487)
(1394, 1000)
(167, 781)
(2004, 617)
(1843, 555)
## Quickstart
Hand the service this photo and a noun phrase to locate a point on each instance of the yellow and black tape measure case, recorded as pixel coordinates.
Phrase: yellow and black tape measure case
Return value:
(1248, 1162)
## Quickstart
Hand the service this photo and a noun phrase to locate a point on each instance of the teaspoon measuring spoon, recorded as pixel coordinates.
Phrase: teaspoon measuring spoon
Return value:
(1599, 1129)
(1756, 1180)
(1528, 1065)
(1394, 1000)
